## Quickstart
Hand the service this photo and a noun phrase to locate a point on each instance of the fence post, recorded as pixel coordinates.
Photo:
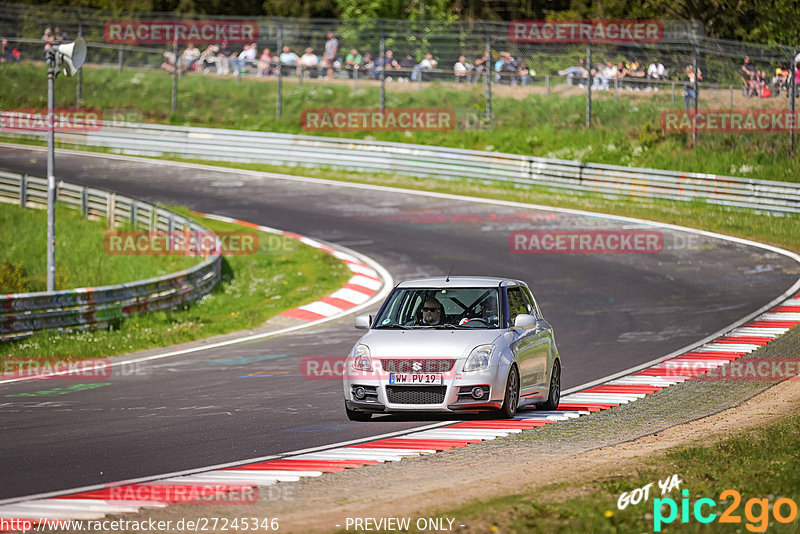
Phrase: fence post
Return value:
(696, 94)
(355, 77)
(731, 106)
(121, 61)
(616, 89)
(547, 85)
(589, 85)
(23, 191)
(382, 69)
(489, 74)
(174, 106)
(79, 88)
(792, 95)
(673, 94)
(279, 96)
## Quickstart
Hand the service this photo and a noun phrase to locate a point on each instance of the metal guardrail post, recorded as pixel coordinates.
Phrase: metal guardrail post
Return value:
(111, 208)
(23, 191)
(84, 202)
(133, 214)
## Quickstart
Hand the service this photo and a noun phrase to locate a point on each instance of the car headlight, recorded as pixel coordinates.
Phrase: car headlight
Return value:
(479, 358)
(361, 359)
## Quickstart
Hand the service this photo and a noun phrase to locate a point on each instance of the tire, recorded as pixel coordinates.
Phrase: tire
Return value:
(511, 398)
(354, 415)
(554, 393)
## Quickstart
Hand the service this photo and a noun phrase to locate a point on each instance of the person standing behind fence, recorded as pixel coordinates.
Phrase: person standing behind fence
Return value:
(655, 71)
(479, 66)
(308, 63)
(460, 69)
(288, 60)
(688, 89)
(265, 63)
(330, 55)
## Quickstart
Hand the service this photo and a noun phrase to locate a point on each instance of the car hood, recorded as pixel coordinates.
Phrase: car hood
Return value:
(426, 343)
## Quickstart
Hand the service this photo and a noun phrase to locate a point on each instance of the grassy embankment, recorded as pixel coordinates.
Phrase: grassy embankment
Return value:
(758, 464)
(254, 287)
(624, 132)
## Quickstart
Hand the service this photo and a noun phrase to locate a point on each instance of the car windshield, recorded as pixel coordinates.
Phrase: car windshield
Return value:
(457, 307)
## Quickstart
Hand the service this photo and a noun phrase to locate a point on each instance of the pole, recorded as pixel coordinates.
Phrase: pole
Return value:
(279, 96)
(792, 92)
(589, 85)
(51, 180)
(696, 95)
(174, 106)
(382, 70)
(79, 95)
(487, 69)
(120, 61)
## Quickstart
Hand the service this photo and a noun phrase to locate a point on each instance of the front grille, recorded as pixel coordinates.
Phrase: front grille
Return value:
(428, 366)
(416, 394)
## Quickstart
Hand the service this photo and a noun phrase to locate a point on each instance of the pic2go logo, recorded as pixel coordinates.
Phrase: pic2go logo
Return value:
(784, 511)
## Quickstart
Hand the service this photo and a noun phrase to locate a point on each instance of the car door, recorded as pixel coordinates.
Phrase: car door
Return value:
(530, 345)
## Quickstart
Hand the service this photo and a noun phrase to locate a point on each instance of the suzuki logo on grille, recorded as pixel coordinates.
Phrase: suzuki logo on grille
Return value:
(416, 367)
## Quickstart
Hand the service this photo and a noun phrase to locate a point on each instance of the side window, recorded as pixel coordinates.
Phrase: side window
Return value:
(516, 303)
(534, 309)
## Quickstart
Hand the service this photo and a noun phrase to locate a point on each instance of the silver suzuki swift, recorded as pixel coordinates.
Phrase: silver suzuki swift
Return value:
(455, 344)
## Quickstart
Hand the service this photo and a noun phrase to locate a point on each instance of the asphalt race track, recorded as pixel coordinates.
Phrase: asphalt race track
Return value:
(610, 312)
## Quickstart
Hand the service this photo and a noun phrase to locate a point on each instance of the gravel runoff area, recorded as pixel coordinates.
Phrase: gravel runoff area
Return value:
(423, 486)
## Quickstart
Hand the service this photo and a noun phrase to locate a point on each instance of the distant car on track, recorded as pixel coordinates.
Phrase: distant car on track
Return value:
(455, 344)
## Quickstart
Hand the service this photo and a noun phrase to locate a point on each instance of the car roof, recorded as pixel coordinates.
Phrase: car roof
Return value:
(460, 281)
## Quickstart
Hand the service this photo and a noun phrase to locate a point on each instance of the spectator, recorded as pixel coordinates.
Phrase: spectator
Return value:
(60, 35)
(208, 58)
(426, 64)
(460, 69)
(190, 57)
(748, 70)
(409, 64)
(655, 71)
(600, 77)
(506, 68)
(688, 89)
(352, 62)
(781, 79)
(525, 74)
(309, 62)
(636, 74)
(578, 72)
(246, 58)
(6, 54)
(48, 38)
(330, 55)
(288, 60)
(479, 66)
(224, 57)
(169, 62)
(265, 63)
(368, 64)
(388, 63)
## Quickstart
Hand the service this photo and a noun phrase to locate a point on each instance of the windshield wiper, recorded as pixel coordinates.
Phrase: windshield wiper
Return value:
(401, 327)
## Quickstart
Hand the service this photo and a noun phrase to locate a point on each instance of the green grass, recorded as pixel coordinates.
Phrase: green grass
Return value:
(624, 132)
(760, 463)
(81, 260)
(282, 275)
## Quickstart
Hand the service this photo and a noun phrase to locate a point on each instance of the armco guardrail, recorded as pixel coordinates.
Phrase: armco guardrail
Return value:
(24, 313)
(449, 163)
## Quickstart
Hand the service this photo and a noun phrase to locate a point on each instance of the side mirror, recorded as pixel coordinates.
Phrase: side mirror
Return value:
(524, 320)
(363, 322)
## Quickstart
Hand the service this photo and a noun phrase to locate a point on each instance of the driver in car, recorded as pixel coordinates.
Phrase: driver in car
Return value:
(489, 312)
(432, 311)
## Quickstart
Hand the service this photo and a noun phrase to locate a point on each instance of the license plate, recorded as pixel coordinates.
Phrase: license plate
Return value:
(416, 378)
